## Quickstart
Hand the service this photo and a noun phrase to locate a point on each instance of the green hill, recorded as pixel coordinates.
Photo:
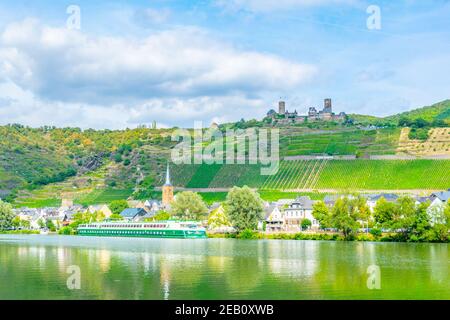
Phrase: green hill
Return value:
(438, 111)
(38, 166)
(31, 158)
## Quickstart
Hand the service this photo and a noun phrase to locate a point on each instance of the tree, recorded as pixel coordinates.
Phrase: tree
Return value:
(162, 216)
(404, 122)
(218, 218)
(322, 214)
(146, 189)
(362, 208)
(345, 215)
(25, 224)
(404, 215)
(86, 218)
(6, 216)
(50, 225)
(189, 205)
(117, 206)
(244, 208)
(384, 212)
(447, 215)
(115, 217)
(99, 216)
(41, 223)
(16, 222)
(305, 224)
(118, 158)
(419, 224)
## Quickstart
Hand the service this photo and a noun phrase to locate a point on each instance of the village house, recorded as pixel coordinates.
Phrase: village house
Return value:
(372, 199)
(133, 214)
(152, 205)
(437, 206)
(298, 210)
(67, 218)
(37, 220)
(102, 208)
(146, 216)
(273, 218)
(136, 204)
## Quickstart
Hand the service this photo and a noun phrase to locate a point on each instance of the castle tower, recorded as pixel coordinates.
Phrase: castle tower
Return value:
(281, 107)
(327, 106)
(167, 190)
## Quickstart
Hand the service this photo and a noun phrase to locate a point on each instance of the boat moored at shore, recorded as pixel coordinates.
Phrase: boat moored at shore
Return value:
(162, 229)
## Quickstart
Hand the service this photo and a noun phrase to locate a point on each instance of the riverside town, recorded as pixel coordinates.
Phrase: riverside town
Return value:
(215, 159)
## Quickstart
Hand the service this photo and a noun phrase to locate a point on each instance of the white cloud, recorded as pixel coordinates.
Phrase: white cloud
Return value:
(153, 16)
(272, 5)
(182, 70)
(67, 65)
(23, 107)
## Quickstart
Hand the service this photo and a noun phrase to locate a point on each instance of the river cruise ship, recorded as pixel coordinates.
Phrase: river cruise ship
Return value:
(163, 229)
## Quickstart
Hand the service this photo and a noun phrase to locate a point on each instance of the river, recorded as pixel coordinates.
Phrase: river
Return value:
(40, 267)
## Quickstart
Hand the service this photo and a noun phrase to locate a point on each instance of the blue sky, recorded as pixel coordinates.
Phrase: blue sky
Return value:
(176, 62)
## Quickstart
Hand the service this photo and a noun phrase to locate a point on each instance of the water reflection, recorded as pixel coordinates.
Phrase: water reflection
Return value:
(35, 268)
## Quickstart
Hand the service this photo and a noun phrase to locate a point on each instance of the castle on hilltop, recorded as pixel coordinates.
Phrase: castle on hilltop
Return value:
(283, 116)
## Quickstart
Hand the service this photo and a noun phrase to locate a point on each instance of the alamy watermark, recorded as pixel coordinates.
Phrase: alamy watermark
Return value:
(74, 19)
(374, 277)
(74, 280)
(239, 146)
(374, 20)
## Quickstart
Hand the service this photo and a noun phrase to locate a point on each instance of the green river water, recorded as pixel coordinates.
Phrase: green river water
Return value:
(36, 267)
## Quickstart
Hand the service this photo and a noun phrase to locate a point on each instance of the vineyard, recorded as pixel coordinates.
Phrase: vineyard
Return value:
(300, 141)
(323, 174)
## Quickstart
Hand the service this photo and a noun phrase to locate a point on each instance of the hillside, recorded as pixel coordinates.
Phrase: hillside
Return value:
(438, 111)
(309, 175)
(39, 166)
(438, 143)
(31, 158)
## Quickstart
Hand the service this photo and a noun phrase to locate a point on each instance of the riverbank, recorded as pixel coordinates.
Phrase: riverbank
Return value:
(20, 232)
(254, 235)
(364, 237)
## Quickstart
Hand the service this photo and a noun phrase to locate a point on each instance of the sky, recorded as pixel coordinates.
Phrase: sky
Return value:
(128, 63)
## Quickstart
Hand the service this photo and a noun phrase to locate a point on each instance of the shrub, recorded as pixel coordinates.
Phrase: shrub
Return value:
(248, 234)
(67, 231)
(118, 158)
(365, 237)
(306, 224)
(376, 232)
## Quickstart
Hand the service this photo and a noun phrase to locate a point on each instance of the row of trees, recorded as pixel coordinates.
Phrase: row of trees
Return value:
(242, 208)
(403, 220)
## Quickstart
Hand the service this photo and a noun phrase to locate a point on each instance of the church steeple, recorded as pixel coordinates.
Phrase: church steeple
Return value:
(167, 190)
(167, 176)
